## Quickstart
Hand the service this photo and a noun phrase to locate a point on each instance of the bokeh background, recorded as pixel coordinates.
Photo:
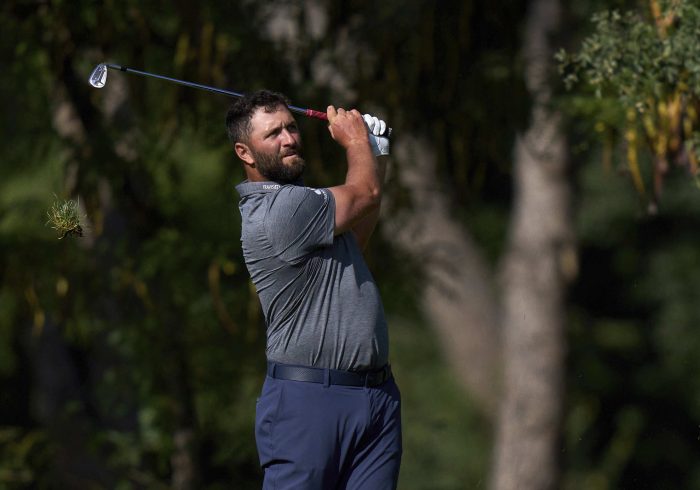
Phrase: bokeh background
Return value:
(543, 321)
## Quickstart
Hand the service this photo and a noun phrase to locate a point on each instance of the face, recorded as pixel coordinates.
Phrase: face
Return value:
(275, 146)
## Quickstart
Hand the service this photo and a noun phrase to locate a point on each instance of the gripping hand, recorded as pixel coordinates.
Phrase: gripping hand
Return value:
(378, 140)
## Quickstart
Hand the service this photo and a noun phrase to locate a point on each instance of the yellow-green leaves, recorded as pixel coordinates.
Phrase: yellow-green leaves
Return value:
(64, 217)
(646, 65)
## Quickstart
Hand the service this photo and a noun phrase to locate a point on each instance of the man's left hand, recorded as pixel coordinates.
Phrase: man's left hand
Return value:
(377, 138)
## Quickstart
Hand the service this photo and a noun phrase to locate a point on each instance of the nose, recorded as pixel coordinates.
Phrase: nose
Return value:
(287, 138)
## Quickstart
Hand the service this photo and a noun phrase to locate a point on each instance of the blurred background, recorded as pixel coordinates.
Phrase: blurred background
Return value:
(535, 253)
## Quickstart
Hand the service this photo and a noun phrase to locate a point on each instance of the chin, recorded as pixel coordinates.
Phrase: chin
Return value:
(294, 160)
(287, 169)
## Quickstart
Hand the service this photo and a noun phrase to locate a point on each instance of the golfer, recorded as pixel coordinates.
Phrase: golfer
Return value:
(329, 414)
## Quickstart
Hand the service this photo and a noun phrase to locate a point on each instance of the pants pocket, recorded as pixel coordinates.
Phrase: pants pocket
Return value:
(266, 410)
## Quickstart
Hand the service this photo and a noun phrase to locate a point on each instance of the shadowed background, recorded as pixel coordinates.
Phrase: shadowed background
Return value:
(539, 318)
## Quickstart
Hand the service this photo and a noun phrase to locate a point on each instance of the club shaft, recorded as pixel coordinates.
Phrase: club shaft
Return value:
(231, 93)
(98, 78)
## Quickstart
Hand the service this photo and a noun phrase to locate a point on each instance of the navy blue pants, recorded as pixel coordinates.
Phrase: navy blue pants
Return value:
(326, 437)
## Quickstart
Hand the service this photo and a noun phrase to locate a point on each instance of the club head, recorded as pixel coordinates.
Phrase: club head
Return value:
(98, 77)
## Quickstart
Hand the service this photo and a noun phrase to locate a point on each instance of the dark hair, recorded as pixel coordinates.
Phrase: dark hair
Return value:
(241, 112)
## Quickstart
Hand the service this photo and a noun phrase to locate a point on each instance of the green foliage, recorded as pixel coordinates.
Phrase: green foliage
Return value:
(446, 440)
(147, 328)
(24, 455)
(628, 59)
(112, 345)
(632, 367)
(64, 217)
(643, 77)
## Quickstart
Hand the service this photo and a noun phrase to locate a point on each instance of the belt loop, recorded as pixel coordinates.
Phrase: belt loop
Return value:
(326, 377)
(366, 376)
(274, 366)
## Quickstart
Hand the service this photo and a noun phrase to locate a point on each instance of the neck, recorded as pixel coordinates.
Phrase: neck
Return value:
(253, 175)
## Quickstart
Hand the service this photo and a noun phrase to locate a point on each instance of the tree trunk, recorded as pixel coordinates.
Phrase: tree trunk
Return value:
(539, 259)
(459, 296)
(71, 117)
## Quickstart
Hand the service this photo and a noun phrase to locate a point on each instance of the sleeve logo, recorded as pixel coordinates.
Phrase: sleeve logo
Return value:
(320, 193)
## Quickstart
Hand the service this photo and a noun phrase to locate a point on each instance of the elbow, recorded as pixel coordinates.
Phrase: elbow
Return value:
(374, 198)
(367, 203)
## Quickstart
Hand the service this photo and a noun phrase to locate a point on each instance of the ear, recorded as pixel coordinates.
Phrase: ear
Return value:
(243, 152)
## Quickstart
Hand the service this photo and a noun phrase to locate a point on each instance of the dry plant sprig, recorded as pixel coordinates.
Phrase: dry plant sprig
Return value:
(64, 217)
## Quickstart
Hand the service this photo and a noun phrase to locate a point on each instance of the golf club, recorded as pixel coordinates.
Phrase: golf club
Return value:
(98, 79)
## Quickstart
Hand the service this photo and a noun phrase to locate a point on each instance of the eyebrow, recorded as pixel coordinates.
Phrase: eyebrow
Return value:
(276, 129)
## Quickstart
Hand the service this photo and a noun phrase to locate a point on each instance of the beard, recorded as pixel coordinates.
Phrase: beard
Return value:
(273, 168)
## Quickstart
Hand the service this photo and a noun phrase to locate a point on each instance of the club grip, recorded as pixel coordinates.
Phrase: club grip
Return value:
(317, 114)
(323, 116)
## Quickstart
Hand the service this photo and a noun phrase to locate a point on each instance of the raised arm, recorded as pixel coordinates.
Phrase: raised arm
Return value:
(360, 194)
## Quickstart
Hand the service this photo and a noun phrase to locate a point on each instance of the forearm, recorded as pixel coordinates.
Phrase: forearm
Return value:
(360, 195)
(364, 228)
(364, 174)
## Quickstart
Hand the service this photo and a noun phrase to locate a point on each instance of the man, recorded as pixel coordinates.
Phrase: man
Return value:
(329, 413)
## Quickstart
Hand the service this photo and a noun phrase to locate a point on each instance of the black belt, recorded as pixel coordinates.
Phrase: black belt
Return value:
(333, 376)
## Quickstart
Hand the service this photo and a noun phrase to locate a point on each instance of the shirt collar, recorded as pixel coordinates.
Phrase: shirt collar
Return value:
(247, 187)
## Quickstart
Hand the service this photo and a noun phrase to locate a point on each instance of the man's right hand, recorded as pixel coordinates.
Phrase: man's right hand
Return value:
(348, 128)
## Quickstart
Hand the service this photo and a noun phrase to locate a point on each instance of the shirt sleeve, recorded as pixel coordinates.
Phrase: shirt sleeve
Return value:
(300, 220)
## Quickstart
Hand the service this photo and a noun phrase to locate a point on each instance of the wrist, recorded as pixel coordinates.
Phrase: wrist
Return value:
(357, 143)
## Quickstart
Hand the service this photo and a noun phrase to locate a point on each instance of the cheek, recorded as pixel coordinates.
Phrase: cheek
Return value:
(269, 147)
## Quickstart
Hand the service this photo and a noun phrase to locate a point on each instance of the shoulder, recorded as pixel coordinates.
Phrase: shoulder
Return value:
(298, 220)
(297, 193)
(294, 199)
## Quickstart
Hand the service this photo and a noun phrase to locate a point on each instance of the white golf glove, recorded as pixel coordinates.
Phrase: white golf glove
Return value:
(377, 139)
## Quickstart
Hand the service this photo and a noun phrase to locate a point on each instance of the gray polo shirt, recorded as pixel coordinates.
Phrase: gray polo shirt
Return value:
(321, 304)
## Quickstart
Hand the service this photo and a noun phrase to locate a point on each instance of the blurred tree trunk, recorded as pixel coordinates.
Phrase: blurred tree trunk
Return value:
(459, 296)
(73, 117)
(539, 259)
